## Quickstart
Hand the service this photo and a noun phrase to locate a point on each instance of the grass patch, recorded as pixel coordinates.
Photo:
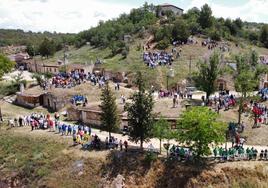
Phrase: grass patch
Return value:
(7, 88)
(31, 161)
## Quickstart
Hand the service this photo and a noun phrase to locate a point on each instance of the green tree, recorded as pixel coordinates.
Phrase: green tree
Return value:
(140, 117)
(30, 50)
(163, 44)
(47, 48)
(244, 82)
(215, 35)
(17, 80)
(247, 76)
(180, 30)
(5, 65)
(38, 77)
(205, 18)
(109, 116)
(239, 23)
(198, 128)
(208, 72)
(264, 36)
(161, 130)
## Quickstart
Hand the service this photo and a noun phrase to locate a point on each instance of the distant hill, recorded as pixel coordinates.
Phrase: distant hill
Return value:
(20, 37)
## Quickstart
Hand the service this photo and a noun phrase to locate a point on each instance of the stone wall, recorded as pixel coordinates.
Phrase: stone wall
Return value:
(175, 10)
(115, 76)
(91, 117)
(73, 114)
(27, 101)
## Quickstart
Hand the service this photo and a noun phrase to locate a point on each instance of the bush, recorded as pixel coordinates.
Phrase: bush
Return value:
(150, 157)
(215, 35)
(163, 44)
(124, 53)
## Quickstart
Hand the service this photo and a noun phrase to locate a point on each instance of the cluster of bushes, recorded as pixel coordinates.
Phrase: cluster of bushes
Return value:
(111, 33)
(41, 43)
(197, 21)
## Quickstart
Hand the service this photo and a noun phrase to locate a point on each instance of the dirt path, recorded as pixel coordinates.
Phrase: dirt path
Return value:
(102, 135)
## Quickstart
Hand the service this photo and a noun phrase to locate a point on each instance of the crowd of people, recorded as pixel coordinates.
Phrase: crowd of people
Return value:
(263, 93)
(79, 100)
(74, 78)
(260, 112)
(223, 101)
(153, 59)
(212, 44)
(81, 134)
(69, 79)
(239, 153)
(180, 153)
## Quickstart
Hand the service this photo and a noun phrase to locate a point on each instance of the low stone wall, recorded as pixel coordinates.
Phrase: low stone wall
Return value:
(92, 117)
(88, 116)
(73, 114)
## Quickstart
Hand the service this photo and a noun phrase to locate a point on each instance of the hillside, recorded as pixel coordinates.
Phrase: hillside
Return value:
(133, 62)
(45, 159)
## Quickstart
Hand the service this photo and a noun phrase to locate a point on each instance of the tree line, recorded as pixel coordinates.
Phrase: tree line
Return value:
(201, 21)
(197, 127)
(110, 34)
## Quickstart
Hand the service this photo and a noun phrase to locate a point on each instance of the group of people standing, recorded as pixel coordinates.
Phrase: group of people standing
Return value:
(239, 153)
(153, 59)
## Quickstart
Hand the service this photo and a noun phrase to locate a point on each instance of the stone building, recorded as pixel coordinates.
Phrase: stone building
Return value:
(167, 7)
(30, 98)
(54, 102)
(90, 115)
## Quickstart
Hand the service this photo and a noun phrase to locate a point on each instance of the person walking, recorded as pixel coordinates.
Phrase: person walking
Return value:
(126, 145)
(121, 145)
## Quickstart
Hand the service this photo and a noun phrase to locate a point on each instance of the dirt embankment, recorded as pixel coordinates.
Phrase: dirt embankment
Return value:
(139, 173)
(39, 160)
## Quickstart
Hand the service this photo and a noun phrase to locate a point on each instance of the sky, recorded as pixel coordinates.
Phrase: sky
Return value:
(74, 16)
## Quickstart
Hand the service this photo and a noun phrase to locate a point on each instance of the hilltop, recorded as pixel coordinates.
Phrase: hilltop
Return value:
(120, 43)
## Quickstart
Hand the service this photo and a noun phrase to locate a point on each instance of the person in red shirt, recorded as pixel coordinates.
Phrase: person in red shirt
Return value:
(126, 145)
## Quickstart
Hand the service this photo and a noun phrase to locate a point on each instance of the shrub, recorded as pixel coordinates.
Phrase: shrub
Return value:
(150, 157)
(163, 44)
(215, 35)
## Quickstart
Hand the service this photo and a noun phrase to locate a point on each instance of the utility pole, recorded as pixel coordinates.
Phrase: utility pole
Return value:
(167, 82)
(190, 69)
(34, 59)
(64, 57)
(190, 66)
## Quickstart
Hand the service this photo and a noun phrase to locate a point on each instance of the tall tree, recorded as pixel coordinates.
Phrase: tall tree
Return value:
(140, 116)
(264, 36)
(208, 72)
(47, 47)
(5, 65)
(180, 30)
(161, 130)
(30, 50)
(205, 18)
(247, 77)
(109, 116)
(198, 128)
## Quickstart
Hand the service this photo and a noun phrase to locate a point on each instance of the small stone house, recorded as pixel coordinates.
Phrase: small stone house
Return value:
(30, 98)
(55, 102)
(167, 7)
